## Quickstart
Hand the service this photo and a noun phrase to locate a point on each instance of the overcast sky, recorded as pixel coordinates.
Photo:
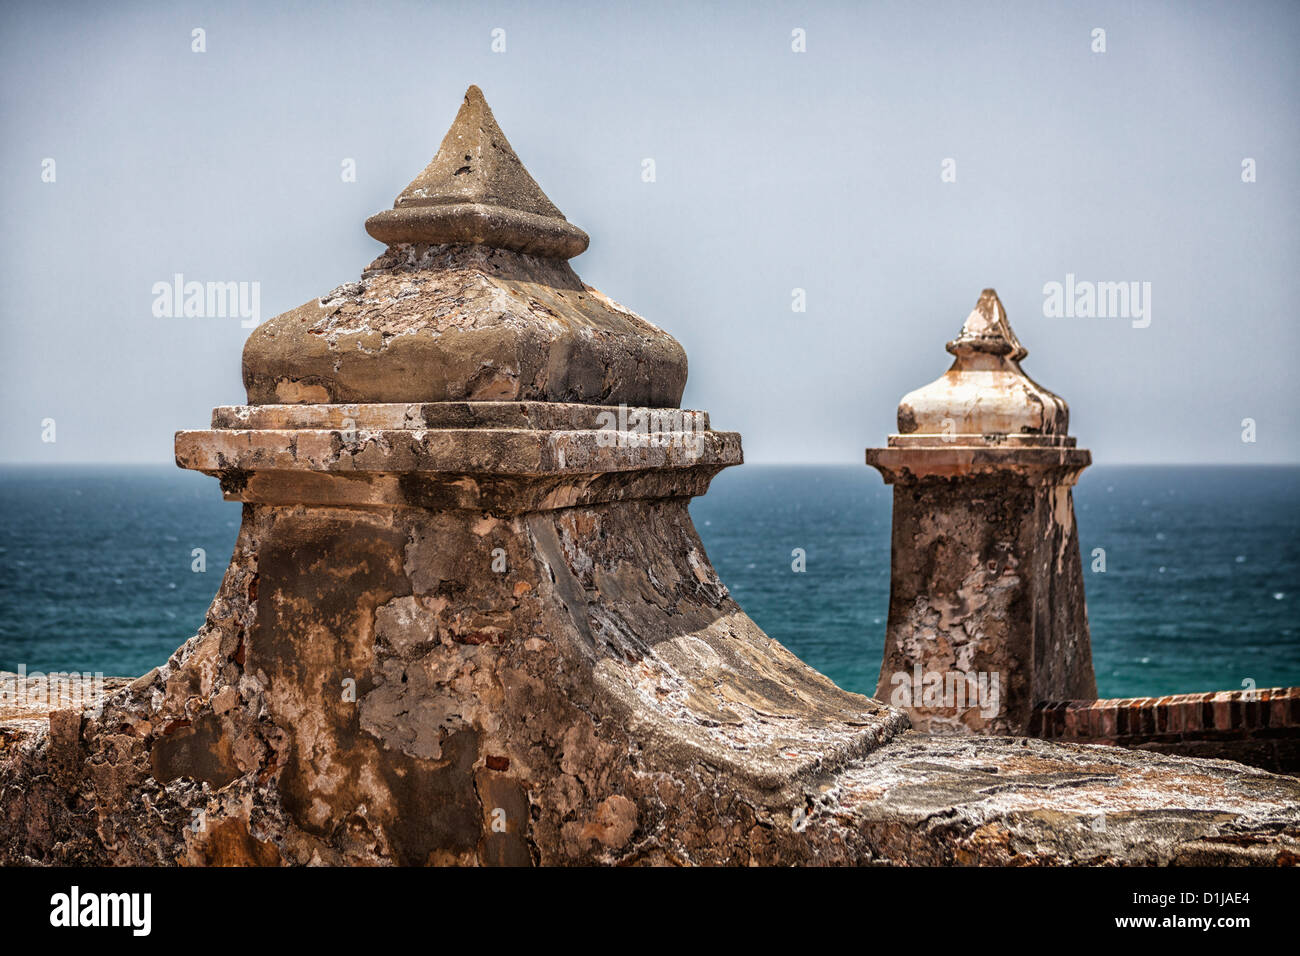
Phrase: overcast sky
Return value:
(775, 170)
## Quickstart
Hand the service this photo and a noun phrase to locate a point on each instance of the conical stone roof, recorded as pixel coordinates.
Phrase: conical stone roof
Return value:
(476, 190)
(476, 164)
(986, 329)
(473, 300)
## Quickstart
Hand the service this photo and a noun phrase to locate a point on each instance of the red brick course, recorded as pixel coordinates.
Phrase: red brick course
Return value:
(1260, 727)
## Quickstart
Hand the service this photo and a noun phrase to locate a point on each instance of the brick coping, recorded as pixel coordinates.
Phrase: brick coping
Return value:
(1259, 713)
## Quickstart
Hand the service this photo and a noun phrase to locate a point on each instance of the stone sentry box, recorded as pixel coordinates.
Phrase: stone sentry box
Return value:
(467, 594)
(986, 605)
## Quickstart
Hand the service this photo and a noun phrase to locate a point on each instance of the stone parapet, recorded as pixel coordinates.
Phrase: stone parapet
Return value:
(1013, 801)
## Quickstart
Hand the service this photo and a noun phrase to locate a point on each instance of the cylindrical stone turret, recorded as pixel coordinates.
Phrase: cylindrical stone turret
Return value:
(986, 606)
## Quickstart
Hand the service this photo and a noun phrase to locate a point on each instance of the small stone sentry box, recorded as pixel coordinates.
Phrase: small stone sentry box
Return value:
(986, 605)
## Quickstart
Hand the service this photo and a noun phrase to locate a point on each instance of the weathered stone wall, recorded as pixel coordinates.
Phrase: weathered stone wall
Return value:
(368, 690)
(986, 579)
(916, 800)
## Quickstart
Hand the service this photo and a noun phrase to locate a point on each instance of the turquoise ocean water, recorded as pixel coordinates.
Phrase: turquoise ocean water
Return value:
(1199, 592)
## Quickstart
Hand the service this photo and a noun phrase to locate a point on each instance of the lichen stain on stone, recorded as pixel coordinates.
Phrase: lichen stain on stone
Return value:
(1062, 525)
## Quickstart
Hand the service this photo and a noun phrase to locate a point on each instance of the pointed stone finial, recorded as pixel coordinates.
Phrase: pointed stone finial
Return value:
(986, 330)
(476, 191)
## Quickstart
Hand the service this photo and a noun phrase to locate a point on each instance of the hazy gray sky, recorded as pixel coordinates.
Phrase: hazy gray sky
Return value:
(775, 170)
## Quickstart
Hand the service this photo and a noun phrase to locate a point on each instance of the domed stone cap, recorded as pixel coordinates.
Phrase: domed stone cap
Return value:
(984, 397)
(472, 301)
